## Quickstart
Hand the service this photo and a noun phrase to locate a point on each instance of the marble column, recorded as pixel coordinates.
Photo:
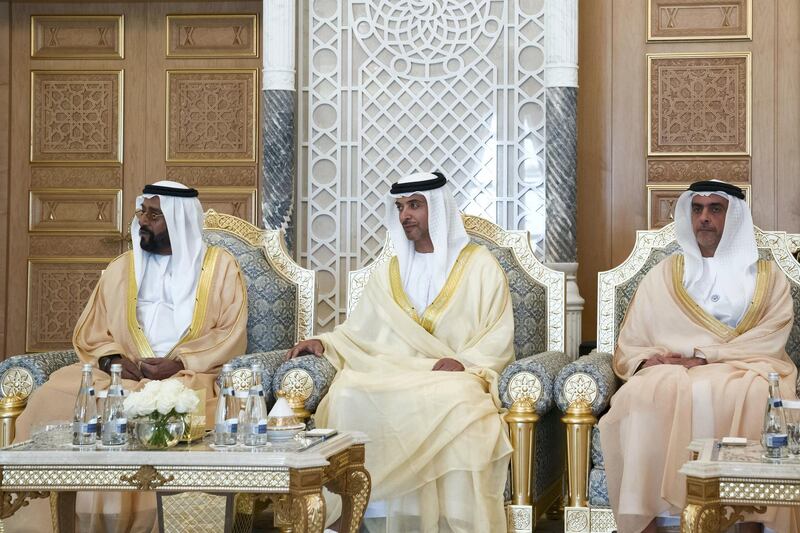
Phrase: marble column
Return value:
(278, 117)
(561, 155)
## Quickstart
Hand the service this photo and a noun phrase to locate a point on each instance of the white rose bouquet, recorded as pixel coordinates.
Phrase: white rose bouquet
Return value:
(161, 401)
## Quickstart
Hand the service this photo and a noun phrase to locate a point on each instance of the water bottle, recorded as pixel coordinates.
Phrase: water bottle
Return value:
(115, 424)
(226, 421)
(84, 422)
(254, 422)
(774, 437)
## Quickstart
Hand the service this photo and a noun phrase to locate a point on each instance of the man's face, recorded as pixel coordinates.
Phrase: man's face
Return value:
(153, 234)
(708, 221)
(413, 212)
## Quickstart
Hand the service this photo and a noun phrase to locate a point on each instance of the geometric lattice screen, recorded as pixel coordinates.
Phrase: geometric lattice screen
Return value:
(397, 86)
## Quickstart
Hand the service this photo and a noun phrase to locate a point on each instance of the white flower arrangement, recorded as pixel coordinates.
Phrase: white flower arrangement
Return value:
(163, 397)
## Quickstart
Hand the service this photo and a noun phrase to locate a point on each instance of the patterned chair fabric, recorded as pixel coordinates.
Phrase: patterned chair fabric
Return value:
(537, 295)
(280, 300)
(592, 377)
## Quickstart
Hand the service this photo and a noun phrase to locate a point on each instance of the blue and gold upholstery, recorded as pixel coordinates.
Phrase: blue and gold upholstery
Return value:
(526, 385)
(280, 300)
(584, 387)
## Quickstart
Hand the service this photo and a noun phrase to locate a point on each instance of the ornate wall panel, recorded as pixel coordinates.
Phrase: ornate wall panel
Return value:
(236, 201)
(661, 200)
(57, 291)
(77, 37)
(197, 176)
(76, 116)
(211, 115)
(688, 170)
(76, 177)
(212, 36)
(694, 20)
(75, 210)
(699, 104)
(396, 87)
(68, 246)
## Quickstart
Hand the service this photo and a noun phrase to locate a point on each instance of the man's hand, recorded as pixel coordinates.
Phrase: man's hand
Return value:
(306, 347)
(160, 367)
(130, 370)
(674, 359)
(446, 364)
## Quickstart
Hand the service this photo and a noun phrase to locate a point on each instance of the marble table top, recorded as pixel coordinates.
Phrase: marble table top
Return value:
(715, 460)
(295, 453)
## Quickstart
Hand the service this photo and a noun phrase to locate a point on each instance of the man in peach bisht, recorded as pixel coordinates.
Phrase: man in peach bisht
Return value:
(170, 308)
(701, 335)
(417, 364)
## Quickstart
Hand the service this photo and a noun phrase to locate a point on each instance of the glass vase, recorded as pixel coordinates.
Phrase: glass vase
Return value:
(159, 431)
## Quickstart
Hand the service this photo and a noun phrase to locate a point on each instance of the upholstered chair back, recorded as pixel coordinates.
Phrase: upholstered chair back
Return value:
(280, 294)
(616, 287)
(537, 292)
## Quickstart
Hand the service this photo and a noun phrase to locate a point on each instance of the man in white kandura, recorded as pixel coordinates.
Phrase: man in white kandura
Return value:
(700, 337)
(417, 367)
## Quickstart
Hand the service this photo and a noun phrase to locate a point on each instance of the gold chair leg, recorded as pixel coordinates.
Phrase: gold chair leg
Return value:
(521, 419)
(10, 408)
(578, 421)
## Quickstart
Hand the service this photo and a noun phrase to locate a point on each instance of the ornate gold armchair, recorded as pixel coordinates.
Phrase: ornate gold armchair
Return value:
(280, 298)
(526, 385)
(584, 387)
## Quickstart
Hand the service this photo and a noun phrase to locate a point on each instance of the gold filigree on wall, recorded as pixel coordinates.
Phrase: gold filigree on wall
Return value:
(69, 246)
(690, 170)
(212, 36)
(209, 176)
(75, 116)
(699, 105)
(77, 36)
(237, 201)
(57, 291)
(76, 210)
(698, 20)
(661, 200)
(211, 115)
(76, 177)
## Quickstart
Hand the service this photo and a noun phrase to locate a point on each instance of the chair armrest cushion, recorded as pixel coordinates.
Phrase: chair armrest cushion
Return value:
(270, 361)
(314, 376)
(532, 375)
(25, 373)
(590, 377)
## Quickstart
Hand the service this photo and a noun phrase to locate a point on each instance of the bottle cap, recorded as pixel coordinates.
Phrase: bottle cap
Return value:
(257, 367)
(87, 367)
(227, 367)
(774, 376)
(116, 367)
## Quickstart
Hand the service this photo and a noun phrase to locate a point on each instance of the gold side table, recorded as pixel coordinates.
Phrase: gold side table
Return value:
(291, 477)
(724, 483)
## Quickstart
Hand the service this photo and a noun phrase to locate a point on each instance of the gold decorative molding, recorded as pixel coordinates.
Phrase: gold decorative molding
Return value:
(58, 289)
(11, 502)
(146, 478)
(212, 115)
(699, 104)
(699, 20)
(78, 37)
(580, 386)
(64, 245)
(214, 176)
(75, 210)
(16, 381)
(242, 378)
(76, 116)
(525, 385)
(212, 36)
(239, 202)
(297, 384)
(589, 520)
(662, 170)
(661, 201)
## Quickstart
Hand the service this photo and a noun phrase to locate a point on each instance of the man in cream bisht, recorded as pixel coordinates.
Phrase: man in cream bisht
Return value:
(701, 335)
(418, 361)
(171, 307)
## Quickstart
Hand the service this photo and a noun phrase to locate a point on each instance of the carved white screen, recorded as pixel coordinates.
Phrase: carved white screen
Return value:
(390, 87)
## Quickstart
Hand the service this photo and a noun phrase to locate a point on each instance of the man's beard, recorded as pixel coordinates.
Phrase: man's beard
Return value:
(155, 243)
